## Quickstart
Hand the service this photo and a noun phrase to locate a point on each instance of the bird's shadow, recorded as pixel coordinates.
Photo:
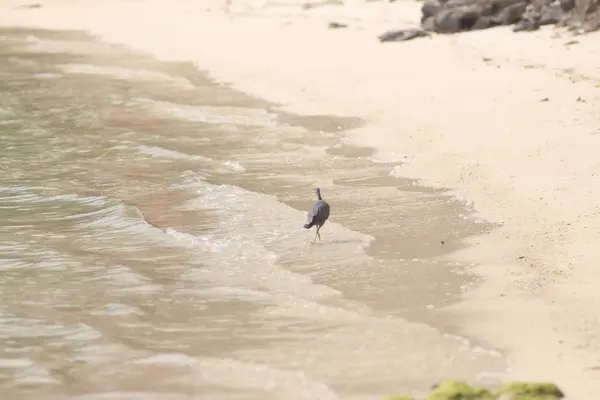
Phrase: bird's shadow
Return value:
(345, 241)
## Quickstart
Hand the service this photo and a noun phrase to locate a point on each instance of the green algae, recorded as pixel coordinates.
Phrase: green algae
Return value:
(539, 390)
(454, 390)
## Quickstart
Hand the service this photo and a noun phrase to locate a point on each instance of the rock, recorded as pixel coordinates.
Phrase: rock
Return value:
(452, 16)
(530, 20)
(591, 26)
(428, 25)
(456, 19)
(458, 390)
(402, 35)
(430, 9)
(541, 390)
(493, 7)
(463, 15)
(567, 5)
(526, 26)
(31, 6)
(315, 4)
(336, 25)
(483, 23)
(459, 3)
(507, 397)
(510, 14)
(552, 14)
(453, 390)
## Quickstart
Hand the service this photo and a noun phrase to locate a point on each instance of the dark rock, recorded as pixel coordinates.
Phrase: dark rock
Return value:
(531, 12)
(458, 3)
(31, 6)
(429, 24)
(336, 25)
(510, 14)
(530, 20)
(430, 8)
(495, 6)
(552, 14)
(567, 5)
(526, 26)
(483, 23)
(402, 35)
(456, 19)
(451, 16)
(591, 26)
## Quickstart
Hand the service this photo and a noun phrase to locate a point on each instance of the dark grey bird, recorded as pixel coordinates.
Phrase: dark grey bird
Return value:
(317, 215)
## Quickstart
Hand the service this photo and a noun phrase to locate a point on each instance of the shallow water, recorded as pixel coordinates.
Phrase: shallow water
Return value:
(152, 242)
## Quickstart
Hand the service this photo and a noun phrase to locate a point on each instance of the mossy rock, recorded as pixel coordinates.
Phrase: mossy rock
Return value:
(453, 390)
(531, 391)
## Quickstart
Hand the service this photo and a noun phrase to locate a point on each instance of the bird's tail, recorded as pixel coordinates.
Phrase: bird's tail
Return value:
(309, 225)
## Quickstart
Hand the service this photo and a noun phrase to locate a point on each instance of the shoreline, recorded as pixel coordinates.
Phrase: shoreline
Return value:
(484, 131)
(349, 306)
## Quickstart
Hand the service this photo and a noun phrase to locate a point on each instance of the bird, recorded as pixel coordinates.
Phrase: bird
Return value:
(317, 215)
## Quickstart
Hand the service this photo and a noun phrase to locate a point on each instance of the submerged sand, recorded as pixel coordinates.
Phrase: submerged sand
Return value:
(508, 121)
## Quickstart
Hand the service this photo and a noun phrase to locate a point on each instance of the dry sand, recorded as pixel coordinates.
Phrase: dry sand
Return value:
(507, 120)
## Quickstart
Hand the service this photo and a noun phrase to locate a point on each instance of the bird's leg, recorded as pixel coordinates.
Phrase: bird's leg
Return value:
(318, 234)
(315, 239)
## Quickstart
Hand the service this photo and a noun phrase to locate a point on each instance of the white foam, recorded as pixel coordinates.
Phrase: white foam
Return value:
(53, 263)
(48, 76)
(237, 293)
(176, 359)
(242, 257)
(8, 264)
(467, 346)
(83, 333)
(123, 276)
(35, 375)
(102, 353)
(175, 155)
(21, 61)
(129, 395)
(127, 74)
(15, 362)
(235, 166)
(287, 385)
(148, 289)
(161, 152)
(27, 195)
(397, 172)
(211, 115)
(113, 309)
(10, 122)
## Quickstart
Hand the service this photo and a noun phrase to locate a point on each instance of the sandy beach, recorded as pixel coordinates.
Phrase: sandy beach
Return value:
(506, 121)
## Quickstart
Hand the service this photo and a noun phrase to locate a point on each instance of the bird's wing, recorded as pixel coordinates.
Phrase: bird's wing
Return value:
(319, 212)
(313, 211)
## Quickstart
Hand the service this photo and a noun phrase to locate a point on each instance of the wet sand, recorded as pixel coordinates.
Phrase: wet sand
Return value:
(457, 113)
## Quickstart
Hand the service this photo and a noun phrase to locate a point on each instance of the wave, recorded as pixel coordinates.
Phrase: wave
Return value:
(126, 74)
